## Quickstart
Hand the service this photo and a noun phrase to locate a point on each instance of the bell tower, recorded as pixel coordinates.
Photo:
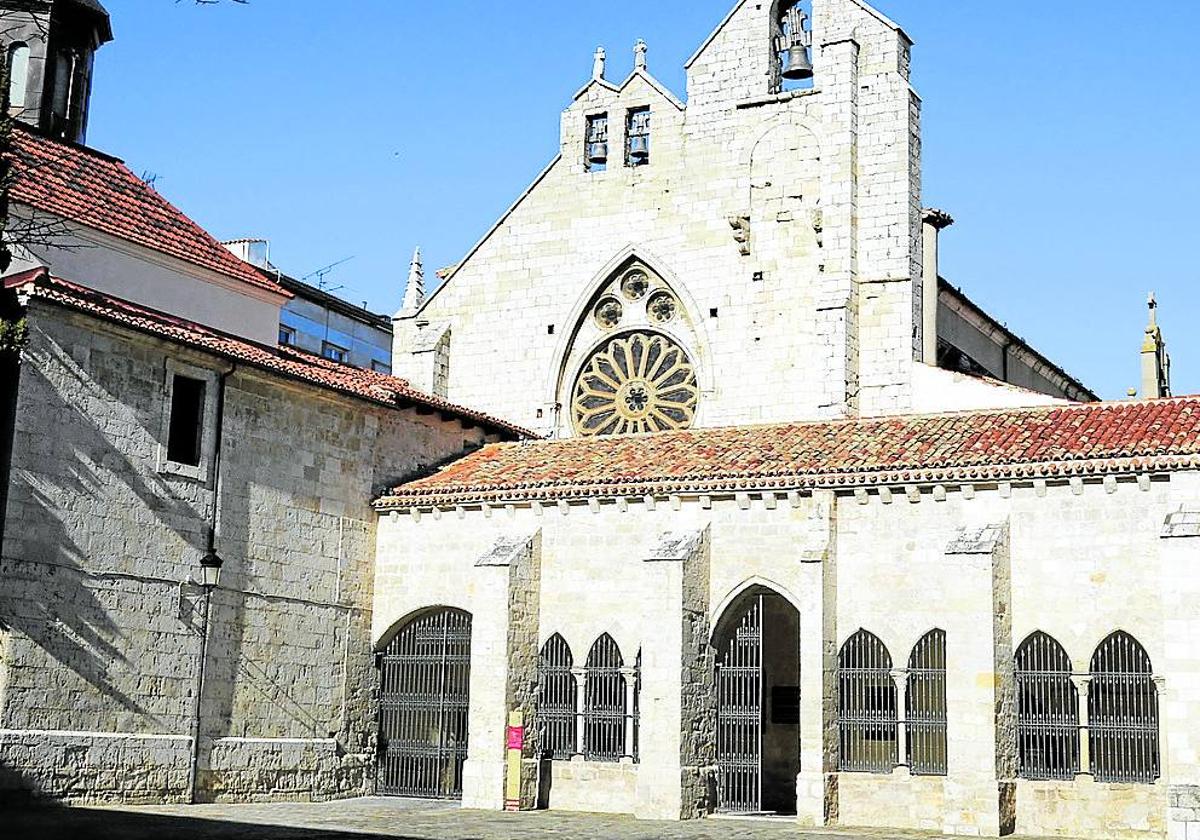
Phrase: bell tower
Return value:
(49, 46)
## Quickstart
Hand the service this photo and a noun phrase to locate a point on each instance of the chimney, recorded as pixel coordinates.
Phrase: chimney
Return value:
(257, 252)
(1156, 364)
(933, 222)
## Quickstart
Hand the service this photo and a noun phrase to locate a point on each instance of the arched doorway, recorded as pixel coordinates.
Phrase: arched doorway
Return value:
(424, 697)
(757, 643)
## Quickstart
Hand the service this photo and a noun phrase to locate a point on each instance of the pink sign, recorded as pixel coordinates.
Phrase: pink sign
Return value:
(516, 737)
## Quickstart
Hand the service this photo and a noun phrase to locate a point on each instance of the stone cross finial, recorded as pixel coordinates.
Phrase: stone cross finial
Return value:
(1156, 363)
(639, 55)
(1152, 302)
(414, 292)
(598, 63)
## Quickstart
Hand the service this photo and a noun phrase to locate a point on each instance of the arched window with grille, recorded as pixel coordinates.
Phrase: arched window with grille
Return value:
(925, 705)
(1047, 710)
(867, 727)
(557, 693)
(606, 708)
(1123, 713)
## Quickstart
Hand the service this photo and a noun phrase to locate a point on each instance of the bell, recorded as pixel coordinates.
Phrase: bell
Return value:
(796, 63)
(598, 152)
(639, 150)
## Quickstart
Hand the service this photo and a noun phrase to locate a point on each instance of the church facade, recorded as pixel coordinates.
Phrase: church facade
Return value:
(792, 547)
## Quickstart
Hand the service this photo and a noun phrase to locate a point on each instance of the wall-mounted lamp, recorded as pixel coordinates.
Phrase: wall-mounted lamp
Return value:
(210, 569)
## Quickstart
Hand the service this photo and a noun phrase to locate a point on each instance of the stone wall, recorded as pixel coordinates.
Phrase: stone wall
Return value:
(988, 564)
(100, 630)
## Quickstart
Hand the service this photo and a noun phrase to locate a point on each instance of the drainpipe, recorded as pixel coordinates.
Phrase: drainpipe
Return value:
(218, 433)
(933, 222)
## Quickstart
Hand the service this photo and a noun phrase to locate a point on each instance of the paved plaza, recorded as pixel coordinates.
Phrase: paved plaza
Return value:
(356, 819)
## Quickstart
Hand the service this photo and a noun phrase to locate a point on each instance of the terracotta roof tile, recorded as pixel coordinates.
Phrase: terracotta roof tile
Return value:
(1091, 439)
(376, 387)
(93, 190)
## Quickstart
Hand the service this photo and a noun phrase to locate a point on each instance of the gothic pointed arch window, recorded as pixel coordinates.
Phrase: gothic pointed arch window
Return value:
(1047, 710)
(607, 711)
(1123, 713)
(557, 696)
(925, 705)
(631, 367)
(867, 720)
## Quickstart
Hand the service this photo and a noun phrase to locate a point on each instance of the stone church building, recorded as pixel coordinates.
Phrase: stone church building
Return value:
(696, 491)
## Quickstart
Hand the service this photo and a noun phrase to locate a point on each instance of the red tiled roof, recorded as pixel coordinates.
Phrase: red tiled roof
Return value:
(1050, 441)
(376, 387)
(94, 190)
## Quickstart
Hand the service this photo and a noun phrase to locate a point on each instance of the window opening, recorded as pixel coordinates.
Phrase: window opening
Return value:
(606, 710)
(1123, 713)
(557, 696)
(637, 137)
(1047, 710)
(18, 75)
(925, 706)
(186, 431)
(867, 725)
(333, 352)
(287, 336)
(596, 143)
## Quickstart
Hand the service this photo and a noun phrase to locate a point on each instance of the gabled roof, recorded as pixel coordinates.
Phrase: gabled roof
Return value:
(289, 362)
(94, 190)
(977, 446)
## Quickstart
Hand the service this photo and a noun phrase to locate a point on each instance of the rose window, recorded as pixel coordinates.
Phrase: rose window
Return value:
(635, 284)
(608, 313)
(661, 308)
(635, 383)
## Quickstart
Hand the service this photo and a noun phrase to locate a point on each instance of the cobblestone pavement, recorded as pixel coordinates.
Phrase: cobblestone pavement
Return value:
(359, 819)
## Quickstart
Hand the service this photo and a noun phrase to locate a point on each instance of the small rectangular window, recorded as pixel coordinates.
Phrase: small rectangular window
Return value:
(595, 153)
(287, 336)
(637, 137)
(380, 367)
(186, 431)
(333, 352)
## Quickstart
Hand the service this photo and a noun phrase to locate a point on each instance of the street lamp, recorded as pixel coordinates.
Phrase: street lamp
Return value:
(210, 568)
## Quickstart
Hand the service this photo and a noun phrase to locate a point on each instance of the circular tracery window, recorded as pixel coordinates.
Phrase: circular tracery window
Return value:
(635, 284)
(635, 383)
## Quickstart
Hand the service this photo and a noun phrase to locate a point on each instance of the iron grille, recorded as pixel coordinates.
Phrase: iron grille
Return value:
(867, 726)
(1047, 710)
(1123, 713)
(423, 704)
(604, 703)
(739, 715)
(557, 696)
(925, 705)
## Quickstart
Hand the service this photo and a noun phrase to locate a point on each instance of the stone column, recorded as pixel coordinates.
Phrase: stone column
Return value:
(580, 676)
(1083, 683)
(900, 678)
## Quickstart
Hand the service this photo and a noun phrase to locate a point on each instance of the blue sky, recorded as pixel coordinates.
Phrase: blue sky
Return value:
(1062, 136)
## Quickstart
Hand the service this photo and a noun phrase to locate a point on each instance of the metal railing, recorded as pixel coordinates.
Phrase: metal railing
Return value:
(423, 705)
(557, 699)
(1123, 713)
(925, 706)
(605, 707)
(867, 725)
(739, 714)
(1047, 710)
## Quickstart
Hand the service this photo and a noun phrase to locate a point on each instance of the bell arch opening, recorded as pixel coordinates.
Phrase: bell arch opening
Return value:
(757, 643)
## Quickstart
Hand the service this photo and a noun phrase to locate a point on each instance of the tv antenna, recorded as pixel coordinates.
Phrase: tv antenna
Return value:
(322, 273)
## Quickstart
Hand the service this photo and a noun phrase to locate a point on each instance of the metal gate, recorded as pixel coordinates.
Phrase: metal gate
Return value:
(423, 701)
(739, 714)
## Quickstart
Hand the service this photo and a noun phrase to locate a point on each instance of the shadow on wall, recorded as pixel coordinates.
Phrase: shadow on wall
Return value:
(58, 539)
